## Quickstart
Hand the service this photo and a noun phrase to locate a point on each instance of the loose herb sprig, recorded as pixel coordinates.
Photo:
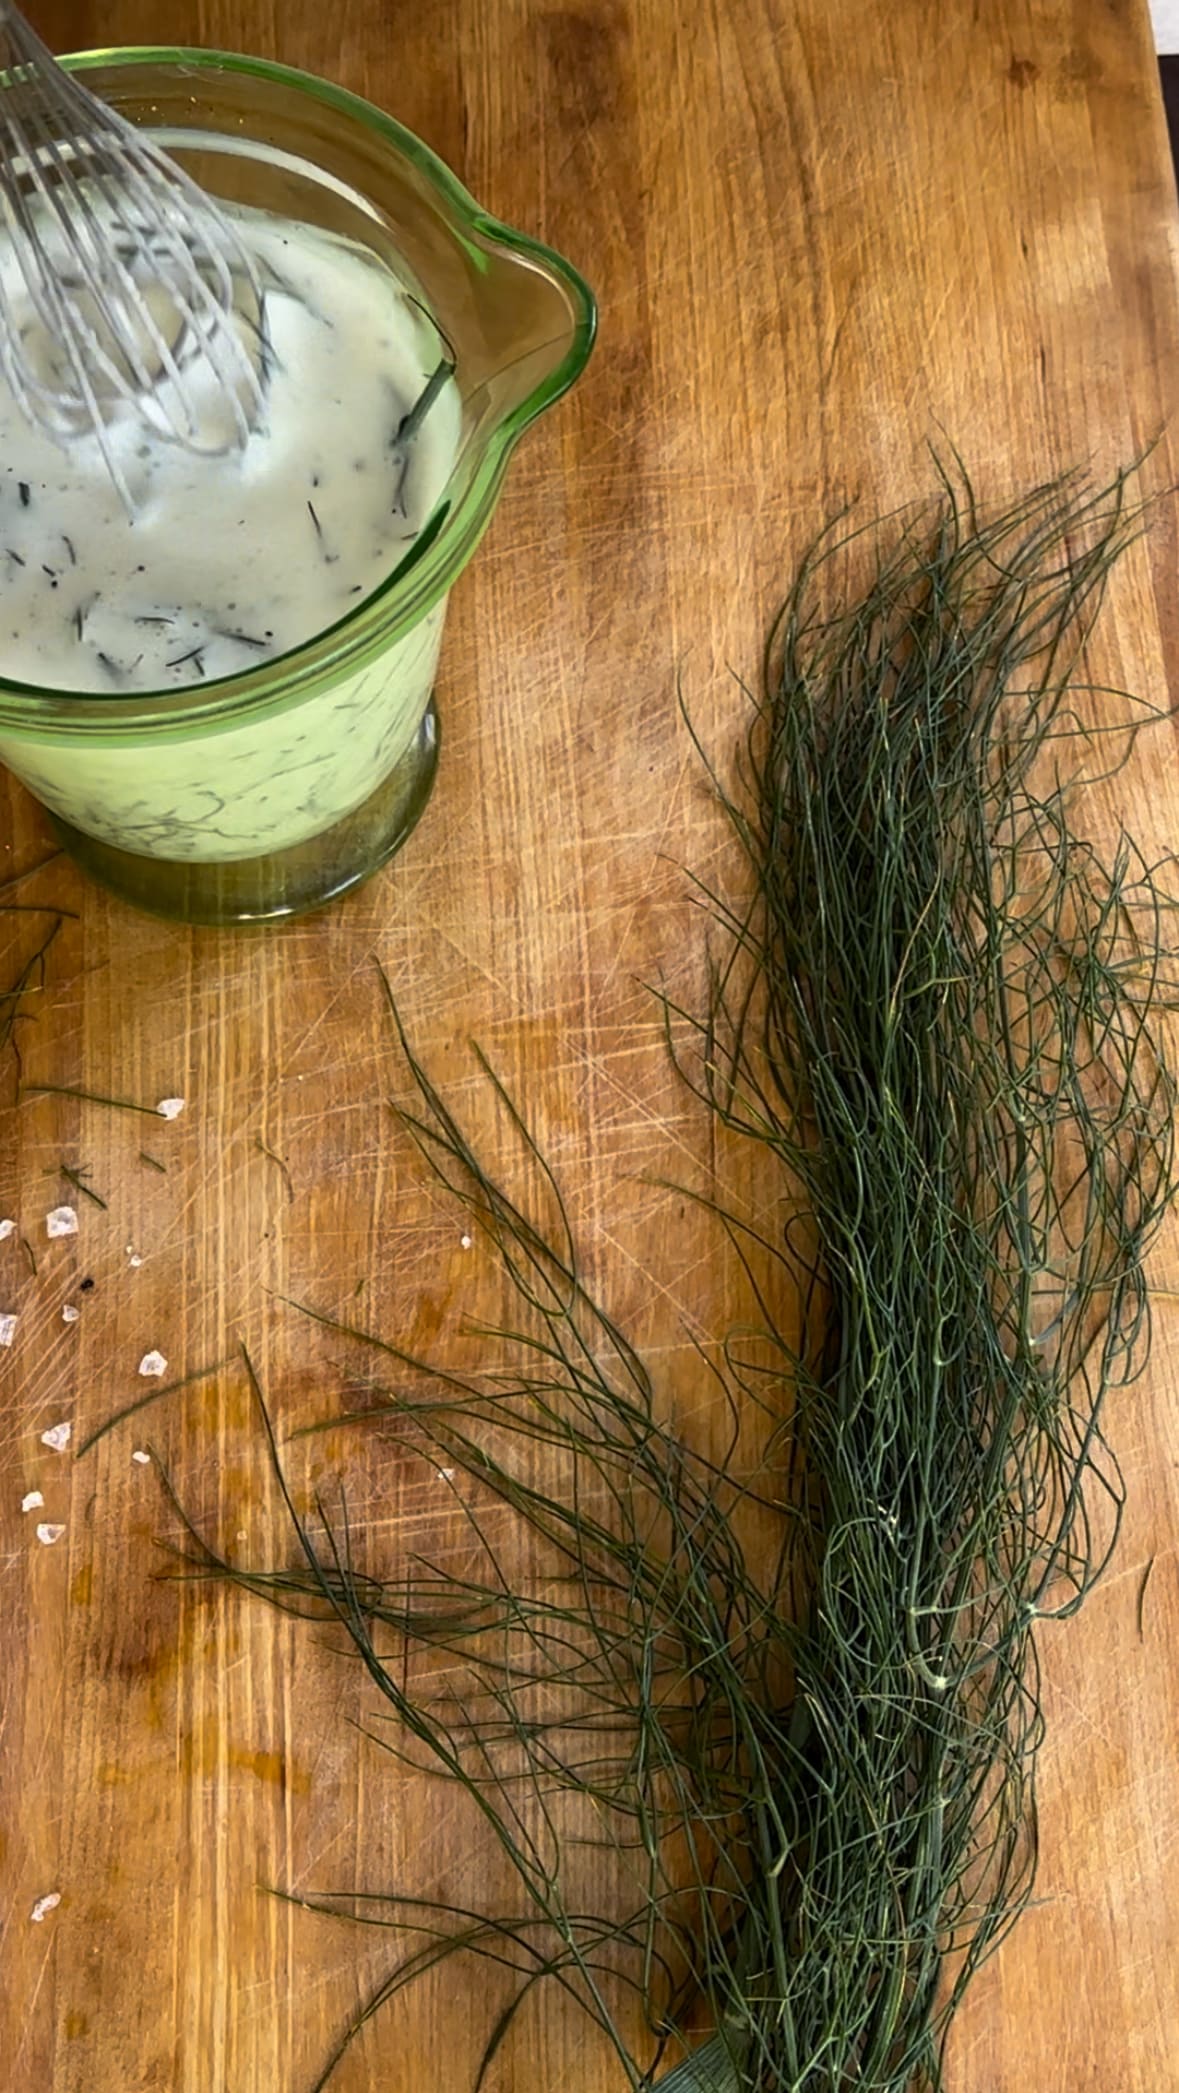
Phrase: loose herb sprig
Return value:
(940, 1013)
(88, 1097)
(78, 1179)
(148, 1401)
(273, 1156)
(28, 976)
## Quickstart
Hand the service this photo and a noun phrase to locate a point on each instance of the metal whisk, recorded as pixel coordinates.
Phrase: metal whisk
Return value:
(131, 290)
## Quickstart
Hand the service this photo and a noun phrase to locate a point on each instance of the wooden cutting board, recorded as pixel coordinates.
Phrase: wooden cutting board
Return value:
(823, 235)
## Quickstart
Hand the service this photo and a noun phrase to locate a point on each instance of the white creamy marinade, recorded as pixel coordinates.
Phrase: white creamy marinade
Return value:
(230, 559)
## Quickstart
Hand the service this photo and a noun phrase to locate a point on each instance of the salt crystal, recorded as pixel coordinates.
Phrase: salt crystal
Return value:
(69, 1313)
(153, 1363)
(62, 1221)
(7, 1228)
(58, 1437)
(465, 1241)
(49, 1534)
(446, 1475)
(32, 1502)
(44, 1905)
(170, 1107)
(141, 1457)
(134, 1260)
(7, 1329)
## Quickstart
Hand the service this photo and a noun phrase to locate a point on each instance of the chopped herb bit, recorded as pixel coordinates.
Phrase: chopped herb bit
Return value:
(153, 1162)
(69, 546)
(244, 639)
(86, 1287)
(315, 520)
(27, 1247)
(25, 496)
(14, 556)
(195, 654)
(77, 1178)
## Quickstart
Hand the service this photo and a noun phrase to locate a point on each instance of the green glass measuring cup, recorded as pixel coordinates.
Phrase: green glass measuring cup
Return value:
(265, 794)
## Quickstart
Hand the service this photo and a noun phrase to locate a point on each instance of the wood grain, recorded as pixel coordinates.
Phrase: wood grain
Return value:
(823, 234)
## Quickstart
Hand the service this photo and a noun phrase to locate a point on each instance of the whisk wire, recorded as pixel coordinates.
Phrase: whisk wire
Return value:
(136, 285)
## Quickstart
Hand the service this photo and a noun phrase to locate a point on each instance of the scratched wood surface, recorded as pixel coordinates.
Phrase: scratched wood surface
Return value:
(820, 233)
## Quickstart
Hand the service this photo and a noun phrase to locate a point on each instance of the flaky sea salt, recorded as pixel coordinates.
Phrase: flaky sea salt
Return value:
(7, 1228)
(170, 1107)
(69, 1313)
(58, 1437)
(7, 1329)
(32, 1501)
(47, 1535)
(141, 1457)
(465, 1240)
(44, 1905)
(153, 1363)
(134, 1260)
(62, 1221)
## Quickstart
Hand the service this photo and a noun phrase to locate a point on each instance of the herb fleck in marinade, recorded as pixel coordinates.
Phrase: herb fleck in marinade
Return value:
(195, 655)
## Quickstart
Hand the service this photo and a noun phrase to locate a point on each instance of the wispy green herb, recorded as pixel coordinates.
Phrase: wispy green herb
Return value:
(17, 879)
(145, 1402)
(87, 1097)
(1141, 1607)
(273, 1157)
(38, 908)
(795, 1687)
(153, 1162)
(27, 979)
